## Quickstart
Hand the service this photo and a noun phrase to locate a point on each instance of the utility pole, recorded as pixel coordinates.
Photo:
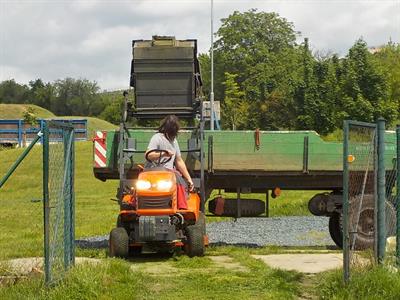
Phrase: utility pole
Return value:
(212, 68)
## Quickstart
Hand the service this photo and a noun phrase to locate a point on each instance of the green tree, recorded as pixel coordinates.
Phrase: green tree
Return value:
(364, 89)
(315, 97)
(41, 94)
(205, 70)
(77, 97)
(388, 59)
(29, 116)
(235, 108)
(261, 49)
(13, 92)
(113, 108)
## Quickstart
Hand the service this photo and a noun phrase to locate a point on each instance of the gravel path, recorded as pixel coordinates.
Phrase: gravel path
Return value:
(280, 231)
(256, 232)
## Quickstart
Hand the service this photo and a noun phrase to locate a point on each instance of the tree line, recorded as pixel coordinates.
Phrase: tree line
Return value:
(65, 97)
(264, 79)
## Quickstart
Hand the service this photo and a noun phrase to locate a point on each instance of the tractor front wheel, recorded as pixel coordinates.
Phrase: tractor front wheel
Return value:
(118, 243)
(195, 241)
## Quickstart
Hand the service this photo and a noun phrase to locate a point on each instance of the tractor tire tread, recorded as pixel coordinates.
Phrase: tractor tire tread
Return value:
(119, 243)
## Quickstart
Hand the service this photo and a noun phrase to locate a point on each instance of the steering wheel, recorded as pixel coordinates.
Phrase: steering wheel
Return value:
(162, 160)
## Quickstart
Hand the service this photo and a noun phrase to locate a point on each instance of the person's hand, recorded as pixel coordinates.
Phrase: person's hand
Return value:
(168, 153)
(191, 185)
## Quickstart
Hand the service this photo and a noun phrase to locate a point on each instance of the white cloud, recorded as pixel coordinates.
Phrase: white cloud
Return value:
(92, 39)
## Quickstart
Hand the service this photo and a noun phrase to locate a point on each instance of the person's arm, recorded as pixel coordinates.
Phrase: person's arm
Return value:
(156, 155)
(155, 144)
(181, 166)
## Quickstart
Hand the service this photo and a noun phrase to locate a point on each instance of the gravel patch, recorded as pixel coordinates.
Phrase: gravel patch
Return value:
(279, 231)
(255, 232)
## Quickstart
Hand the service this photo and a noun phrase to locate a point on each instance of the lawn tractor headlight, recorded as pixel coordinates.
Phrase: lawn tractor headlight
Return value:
(164, 185)
(142, 185)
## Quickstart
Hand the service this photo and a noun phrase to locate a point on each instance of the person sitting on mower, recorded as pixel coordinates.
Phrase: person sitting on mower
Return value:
(165, 139)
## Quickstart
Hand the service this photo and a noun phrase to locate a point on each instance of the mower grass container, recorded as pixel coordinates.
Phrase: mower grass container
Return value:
(166, 77)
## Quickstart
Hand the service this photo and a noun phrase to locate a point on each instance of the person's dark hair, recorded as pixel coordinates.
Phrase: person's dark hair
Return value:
(170, 127)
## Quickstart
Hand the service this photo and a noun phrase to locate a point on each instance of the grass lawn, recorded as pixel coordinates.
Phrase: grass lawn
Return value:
(178, 277)
(22, 220)
(21, 225)
(375, 282)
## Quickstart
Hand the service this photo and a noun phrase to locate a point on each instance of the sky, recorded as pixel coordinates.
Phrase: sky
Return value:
(92, 39)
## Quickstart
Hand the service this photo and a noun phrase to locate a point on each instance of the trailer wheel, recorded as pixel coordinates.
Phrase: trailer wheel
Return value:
(118, 243)
(336, 229)
(391, 217)
(195, 242)
(361, 220)
(364, 239)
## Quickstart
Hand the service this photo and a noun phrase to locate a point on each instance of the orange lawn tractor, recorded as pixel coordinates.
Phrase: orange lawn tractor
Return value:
(165, 79)
(149, 215)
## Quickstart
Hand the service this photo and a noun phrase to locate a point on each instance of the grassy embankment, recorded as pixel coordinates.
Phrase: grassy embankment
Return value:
(16, 111)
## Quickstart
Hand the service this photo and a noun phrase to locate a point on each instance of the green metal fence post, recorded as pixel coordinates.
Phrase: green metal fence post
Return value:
(398, 196)
(46, 206)
(381, 192)
(65, 197)
(72, 203)
(346, 253)
(20, 159)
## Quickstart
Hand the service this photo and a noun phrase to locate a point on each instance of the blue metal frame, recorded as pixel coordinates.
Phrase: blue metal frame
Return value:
(18, 131)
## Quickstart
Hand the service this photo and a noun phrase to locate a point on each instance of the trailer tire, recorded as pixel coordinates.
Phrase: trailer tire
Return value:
(118, 243)
(195, 241)
(390, 215)
(336, 229)
(361, 220)
(365, 227)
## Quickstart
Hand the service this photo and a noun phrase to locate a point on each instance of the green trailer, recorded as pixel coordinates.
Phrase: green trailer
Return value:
(289, 159)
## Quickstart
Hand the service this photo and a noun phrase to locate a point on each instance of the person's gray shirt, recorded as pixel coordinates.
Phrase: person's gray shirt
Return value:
(160, 142)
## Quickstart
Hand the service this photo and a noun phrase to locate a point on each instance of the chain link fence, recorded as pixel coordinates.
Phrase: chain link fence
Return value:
(397, 192)
(58, 190)
(370, 195)
(391, 173)
(359, 193)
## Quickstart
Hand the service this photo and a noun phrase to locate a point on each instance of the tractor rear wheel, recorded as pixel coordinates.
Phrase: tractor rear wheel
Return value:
(202, 222)
(118, 243)
(195, 241)
(336, 229)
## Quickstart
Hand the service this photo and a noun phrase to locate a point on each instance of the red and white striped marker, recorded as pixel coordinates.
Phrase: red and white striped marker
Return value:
(100, 149)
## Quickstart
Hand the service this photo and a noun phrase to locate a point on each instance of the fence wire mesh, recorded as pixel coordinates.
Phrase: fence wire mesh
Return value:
(398, 195)
(359, 213)
(58, 181)
(391, 172)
